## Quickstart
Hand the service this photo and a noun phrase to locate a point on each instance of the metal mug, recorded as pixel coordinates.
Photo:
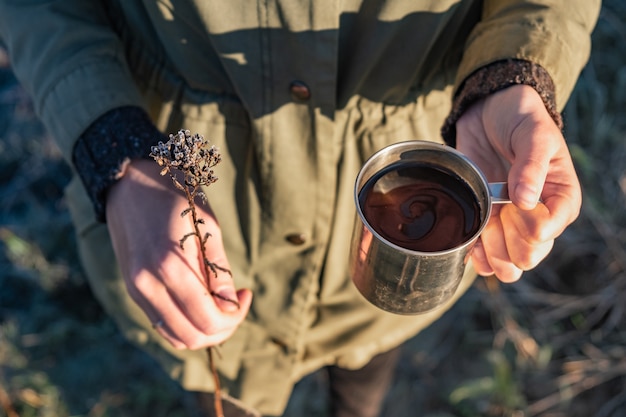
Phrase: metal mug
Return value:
(406, 281)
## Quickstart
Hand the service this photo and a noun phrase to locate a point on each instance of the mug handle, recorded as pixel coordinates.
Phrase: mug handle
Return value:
(499, 192)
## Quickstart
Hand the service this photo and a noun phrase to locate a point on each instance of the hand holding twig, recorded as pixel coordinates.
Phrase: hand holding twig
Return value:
(189, 155)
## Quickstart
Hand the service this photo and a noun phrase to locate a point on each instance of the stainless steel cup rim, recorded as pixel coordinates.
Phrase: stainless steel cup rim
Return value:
(433, 146)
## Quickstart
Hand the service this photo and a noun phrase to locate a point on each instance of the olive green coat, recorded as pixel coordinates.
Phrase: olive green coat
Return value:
(367, 73)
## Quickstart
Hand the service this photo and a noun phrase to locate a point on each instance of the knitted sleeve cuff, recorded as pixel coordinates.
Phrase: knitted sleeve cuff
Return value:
(103, 150)
(497, 76)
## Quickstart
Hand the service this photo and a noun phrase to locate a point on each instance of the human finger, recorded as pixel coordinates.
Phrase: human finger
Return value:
(210, 302)
(479, 259)
(496, 253)
(163, 306)
(525, 250)
(534, 147)
(152, 297)
(546, 221)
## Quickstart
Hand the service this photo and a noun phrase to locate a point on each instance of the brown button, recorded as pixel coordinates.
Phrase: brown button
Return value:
(296, 238)
(299, 90)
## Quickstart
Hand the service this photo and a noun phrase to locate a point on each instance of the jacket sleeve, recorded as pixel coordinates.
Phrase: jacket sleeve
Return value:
(69, 60)
(554, 34)
(495, 77)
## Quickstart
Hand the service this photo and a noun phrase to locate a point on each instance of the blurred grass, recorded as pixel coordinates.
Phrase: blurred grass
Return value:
(552, 345)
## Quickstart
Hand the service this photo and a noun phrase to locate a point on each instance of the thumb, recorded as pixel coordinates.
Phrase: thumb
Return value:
(226, 297)
(229, 300)
(529, 169)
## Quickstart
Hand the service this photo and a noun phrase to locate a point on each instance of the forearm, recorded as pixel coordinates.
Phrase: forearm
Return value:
(540, 43)
(555, 35)
(69, 60)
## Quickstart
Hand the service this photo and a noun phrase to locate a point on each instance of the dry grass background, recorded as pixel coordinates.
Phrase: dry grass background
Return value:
(553, 344)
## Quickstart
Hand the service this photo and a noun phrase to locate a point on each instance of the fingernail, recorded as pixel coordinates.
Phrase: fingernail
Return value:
(526, 195)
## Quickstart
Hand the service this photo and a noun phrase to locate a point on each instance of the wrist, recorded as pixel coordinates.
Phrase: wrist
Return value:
(496, 77)
(103, 153)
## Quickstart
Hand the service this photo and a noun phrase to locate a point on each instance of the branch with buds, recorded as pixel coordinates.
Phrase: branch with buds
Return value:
(191, 156)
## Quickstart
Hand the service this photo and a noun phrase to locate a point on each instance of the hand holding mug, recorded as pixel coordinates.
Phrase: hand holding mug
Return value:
(511, 137)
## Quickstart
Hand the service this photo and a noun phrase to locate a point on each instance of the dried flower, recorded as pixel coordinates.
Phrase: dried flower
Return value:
(194, 159)
(189, 155)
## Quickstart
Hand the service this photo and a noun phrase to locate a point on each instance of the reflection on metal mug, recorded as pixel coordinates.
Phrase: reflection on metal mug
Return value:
(421, 206)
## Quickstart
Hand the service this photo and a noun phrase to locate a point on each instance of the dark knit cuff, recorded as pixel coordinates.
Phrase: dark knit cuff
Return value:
(103, 150)
(498, 76)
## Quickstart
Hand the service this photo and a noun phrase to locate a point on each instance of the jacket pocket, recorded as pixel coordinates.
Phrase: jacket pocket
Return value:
(383, 124)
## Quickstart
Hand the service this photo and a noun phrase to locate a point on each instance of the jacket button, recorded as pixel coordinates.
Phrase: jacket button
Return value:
(299, 90)
(296, 238)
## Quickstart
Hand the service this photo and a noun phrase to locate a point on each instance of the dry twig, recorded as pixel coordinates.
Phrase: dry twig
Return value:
(188, 154)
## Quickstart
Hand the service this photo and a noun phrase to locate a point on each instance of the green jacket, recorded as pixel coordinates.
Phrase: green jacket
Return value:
(296, 94)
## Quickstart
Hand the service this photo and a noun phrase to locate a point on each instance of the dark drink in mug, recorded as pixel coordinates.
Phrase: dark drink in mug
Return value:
(420, 207)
